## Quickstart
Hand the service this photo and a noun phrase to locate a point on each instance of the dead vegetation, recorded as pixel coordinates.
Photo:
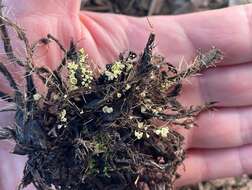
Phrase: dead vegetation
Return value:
(153, 7)
(173, 7)
(92, 132)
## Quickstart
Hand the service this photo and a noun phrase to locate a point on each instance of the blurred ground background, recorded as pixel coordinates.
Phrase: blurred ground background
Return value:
(157, 7)
(174, 7)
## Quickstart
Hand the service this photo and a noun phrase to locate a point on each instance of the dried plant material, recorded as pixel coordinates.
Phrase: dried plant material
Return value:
(239, 2)
(97, 133)
(155, 7)
(242, 183)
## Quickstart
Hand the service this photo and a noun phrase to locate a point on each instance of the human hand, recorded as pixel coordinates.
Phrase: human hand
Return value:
(221, 146)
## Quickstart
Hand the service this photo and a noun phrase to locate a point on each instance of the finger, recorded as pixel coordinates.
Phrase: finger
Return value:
(24, 8)
(40, 18)
(179, 36)
(229, 86)
(203, 165)
(11, 170)
(221, 128)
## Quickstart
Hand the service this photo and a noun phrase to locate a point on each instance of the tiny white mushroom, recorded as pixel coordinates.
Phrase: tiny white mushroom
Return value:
(37, 97)
(147, 135)
(138, 135)
(60, 126)
(143, 109)
(107, 109)
(119, 95)
(128, 86)
(164, 131)
(140, 125)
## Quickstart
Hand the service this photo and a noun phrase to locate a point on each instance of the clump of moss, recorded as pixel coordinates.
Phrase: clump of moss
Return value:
(91, 133)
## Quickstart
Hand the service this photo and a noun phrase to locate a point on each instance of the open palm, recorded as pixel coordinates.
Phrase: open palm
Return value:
(222, 145)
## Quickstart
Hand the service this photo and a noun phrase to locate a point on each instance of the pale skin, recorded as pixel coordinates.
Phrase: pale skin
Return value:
(222, 144)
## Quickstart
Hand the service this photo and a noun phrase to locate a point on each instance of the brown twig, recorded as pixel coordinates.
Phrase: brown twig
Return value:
(201, 62)
(8, 76)
(6, 39)
(5, 97)
(49, 36)
(155, 6)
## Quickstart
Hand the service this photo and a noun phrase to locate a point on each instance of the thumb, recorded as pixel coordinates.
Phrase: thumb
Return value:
(33, 7)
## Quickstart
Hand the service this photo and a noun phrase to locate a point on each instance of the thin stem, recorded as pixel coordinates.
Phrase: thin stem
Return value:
(201, 62)
(49, 36)
(5, 97)
(8, 76)
(6, 39)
